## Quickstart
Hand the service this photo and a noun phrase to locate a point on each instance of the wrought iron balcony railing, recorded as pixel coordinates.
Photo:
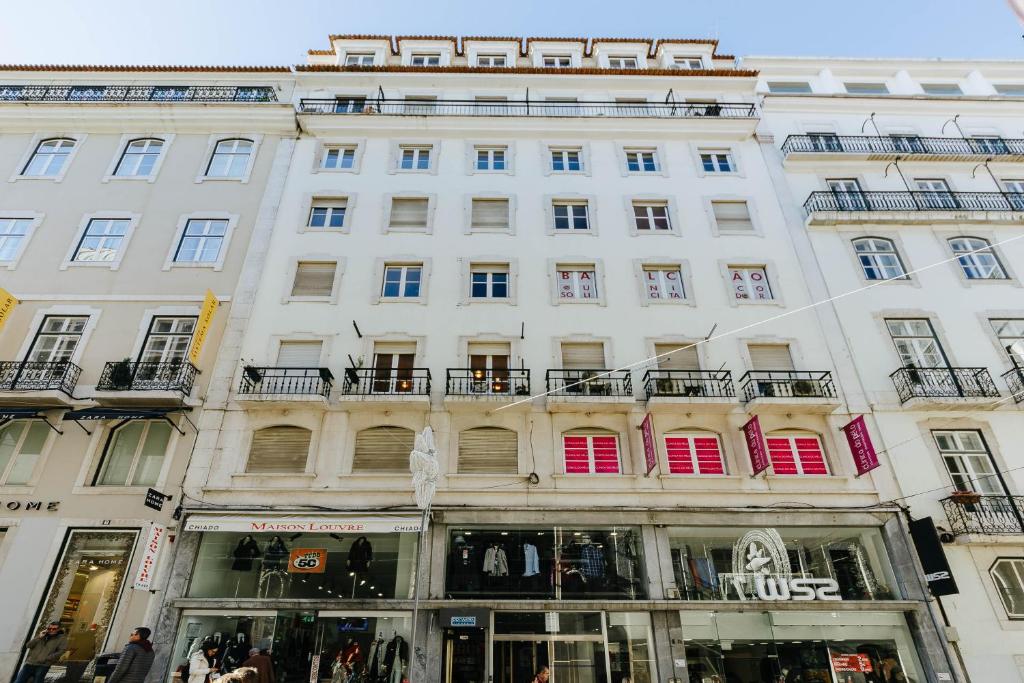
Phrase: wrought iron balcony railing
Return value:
(943, 383)
(689, 383)
(589, 382)
(914, 201)
(269, 381)
(871, 144)
(984, 514)
(787, 384)
(136, 93)
(647, 110)
(147, 376)
(477, 382)
(37, 376)
(387, 381)
(1015, 381)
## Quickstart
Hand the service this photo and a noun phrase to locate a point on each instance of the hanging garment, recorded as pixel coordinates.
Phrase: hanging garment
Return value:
(531, 559)
(395, 656)
(276, 554)
(244, 553)
(500, 563)
(375, 657)
(360, 555)
(489, 556)
(592, 561)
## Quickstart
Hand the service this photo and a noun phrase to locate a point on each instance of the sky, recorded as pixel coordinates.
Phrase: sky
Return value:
(279, 32)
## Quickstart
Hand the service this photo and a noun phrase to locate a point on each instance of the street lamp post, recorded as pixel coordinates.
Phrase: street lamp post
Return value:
(424, 467)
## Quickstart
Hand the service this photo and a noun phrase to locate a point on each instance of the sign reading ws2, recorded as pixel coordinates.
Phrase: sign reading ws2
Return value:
(761, 571)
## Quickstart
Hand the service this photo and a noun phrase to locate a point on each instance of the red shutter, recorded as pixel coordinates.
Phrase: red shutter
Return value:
(797, 455)
(577, 460)
(580, 451)
(684, 450)
(709, 455)
(680, 457)
(606, 454)
(780, 451)
(812, 459)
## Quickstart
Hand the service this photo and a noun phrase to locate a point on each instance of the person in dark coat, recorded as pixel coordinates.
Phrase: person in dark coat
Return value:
(263, 665)
(42, 652)
(136, 658)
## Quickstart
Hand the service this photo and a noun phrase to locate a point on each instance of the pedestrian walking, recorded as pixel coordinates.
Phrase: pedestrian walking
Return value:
(202, 665)
(136, 658)
(263, 665)
(42, 652)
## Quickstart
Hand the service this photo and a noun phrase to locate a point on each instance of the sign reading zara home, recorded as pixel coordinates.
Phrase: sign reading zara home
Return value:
(294, 525)
(761, 571)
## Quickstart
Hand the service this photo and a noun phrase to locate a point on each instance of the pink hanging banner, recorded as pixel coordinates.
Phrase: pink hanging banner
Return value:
(864, 455)
(650, 451)
(755, 446)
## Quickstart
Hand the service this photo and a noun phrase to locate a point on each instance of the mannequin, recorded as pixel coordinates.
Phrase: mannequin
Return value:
(236, 651)
(375, 658)
(244, 553)
(275, 560)
(276, 554)
(395, 658)
(360, 555)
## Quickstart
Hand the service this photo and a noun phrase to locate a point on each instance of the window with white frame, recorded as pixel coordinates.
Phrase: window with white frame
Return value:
(327, 213)
(977, 259)
(21, 446)
(359, 59)
(402, 281)
(139, 158)
(314, 278)
(393, 370)
(566, 159)
(717, 161)
(489, 281)
(577, 282)
(879, 259)
(419, 104)
(101, 241)
(425, 59)
(866, 88)
(349, 105)
(989, 144)
(591, 452)
(557, 61)
(490, 158)
(489, 366)
(694, 453)
(134, 454)
(663, 283)
(57, 339)
(1010, 89)
(796, 454)
(1007, 575)
(789, 87)
(750, 283)
(336, 158)
(409, 213)
(967, 460)
(683, 62)
(732, 215)
(49, 157)
(282, 449)
(1010, 333)
(167, 339)
(487, 214)
(622, 62)
(491, 60)
(651, 216)
(13, 233)
(941, 89)
(230, 158)
(201, 241)
(414, 158)
(916, 342)
(642, 161)
(570, 216)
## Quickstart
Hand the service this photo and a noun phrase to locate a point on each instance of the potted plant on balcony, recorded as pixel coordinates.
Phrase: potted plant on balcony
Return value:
(693, 390)
(121, 375)
(803, 388)
(965, 497)
(598, 388)
(253, 374)
(522, 390)
(665, 386)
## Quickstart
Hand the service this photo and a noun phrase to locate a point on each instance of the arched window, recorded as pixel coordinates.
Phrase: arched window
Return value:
(591, 451)
(134, 454)
(49, 157)
(796, 453)
(230, 158)
(383, 449)
(21, 444)
(1008, 576)
(139, 158)
(879, 259)
(977, 259)
(694, 452)
(279, 450)
(488, 450)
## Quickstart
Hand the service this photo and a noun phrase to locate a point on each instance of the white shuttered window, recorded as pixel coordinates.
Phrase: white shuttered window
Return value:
(409, 212)
(383, 449)
(314, 278)
(279, 450)
(732, 216)
(489, 214)
(770, 356)
(488, 450)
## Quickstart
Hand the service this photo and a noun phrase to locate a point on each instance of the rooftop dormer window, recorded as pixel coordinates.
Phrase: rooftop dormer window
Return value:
(491, 60)
(425, 59)
(359, 59)
(557, 61)
(622, 62)
(688, 63)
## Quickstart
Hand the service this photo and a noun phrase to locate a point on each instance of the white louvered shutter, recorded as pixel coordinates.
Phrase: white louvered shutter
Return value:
(383, 449)
(409, 212)
(314, 278)
(488, 450)
(296, 354)
(685, 359)
(582, 356)
(770, 356)
(279, 450)
(732, 215)
(490, 214)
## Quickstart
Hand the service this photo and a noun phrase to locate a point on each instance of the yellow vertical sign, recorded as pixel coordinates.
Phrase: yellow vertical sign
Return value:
(210, 304)
(7, 304)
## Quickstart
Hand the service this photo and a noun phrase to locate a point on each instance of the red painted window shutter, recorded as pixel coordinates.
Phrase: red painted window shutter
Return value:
(606, 454)
(680, 455)
(591, 454)
(812, 459)
(797, 455)
(780, 451)
(577, 458)
(709, 455)
(689, 454)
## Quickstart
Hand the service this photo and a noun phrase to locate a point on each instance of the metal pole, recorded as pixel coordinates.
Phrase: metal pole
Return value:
(416, 591)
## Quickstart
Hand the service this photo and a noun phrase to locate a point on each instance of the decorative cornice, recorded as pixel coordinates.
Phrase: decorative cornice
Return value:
(547, 71)
(137, 68)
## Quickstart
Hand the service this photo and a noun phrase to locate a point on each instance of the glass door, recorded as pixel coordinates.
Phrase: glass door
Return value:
(465, 655)
(934, 193)
(848, 194)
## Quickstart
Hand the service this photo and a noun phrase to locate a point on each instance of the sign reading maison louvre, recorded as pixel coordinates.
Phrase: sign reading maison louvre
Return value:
(761, 570)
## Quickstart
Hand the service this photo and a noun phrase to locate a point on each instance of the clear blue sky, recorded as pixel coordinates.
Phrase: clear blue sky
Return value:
(280, 32)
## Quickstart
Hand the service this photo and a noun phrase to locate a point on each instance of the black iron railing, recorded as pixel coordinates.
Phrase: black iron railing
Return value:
(387, 381)
(400, 107)
(267, 381)
(147, 376)
(37, 376)
(1015, 381)
(870, 144)
(943, 383)
(476, 382)
(689, 383)
(914, 201)
(589, 382)
(984, 514)
(136, 93)
(787, 384)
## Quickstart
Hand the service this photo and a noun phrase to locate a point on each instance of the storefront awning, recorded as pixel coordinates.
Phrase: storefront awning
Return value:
(124, 414)
(8, 413)
(321, 524)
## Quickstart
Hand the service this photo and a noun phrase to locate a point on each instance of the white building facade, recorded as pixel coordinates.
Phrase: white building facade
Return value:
(909, 178)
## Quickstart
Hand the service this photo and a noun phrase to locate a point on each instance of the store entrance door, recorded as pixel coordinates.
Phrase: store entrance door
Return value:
(516, 661)
(465, 655)
(569, 660)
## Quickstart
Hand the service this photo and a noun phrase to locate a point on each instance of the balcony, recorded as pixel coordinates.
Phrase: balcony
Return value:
(984, 514)
(386, 384)
(887, 148)
(127, 380)
(42, 383)
(943, 386)
(1015, 381)
(285, 385)
(781, 390)
(469, 383)
(529, 108)
(137, 93)
(594, 387)
(712, 387)
(914, 207)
